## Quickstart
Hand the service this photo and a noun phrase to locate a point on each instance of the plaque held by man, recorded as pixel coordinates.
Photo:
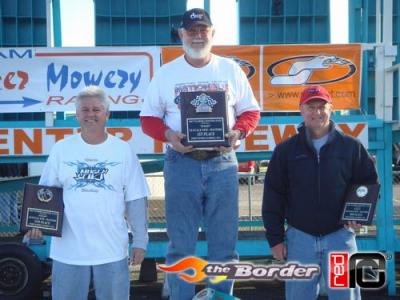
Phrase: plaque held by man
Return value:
(360, 203)
(42, 208)
(204, 119)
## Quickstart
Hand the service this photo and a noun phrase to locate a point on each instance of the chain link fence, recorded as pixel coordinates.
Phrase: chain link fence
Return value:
(156, 212)
(250, 199)
(10, 207)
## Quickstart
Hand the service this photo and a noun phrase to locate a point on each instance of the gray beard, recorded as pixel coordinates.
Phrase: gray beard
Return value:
(197, 54)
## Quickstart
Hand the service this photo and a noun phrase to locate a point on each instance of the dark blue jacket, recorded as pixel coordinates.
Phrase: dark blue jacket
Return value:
(309, 192)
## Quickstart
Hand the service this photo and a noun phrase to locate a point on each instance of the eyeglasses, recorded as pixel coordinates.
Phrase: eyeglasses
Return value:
(203, 31)
(315, 108)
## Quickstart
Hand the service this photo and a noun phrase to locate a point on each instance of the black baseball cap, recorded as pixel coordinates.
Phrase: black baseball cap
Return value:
(195, 16)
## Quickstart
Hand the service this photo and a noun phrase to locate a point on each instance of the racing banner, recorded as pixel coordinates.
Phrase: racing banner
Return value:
(289, 68)
(278, 73)
(48, 79)
(39, 141)
(248, 58)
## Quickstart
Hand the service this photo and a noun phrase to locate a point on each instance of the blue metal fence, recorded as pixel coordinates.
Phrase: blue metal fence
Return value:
(362, 22)
(138, 22)
(284, 21)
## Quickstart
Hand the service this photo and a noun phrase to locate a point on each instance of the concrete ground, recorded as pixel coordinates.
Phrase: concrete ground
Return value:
(249, 291)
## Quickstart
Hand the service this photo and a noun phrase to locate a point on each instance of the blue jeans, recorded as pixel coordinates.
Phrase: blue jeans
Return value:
(309, 249)
(200, 192)
(111, 281)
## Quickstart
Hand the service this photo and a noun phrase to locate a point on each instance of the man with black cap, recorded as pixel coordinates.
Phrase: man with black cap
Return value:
(201, 187)
(305, 185)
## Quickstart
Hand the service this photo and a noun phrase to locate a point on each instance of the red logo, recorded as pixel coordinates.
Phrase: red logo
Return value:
(339, 270)
(366, 270)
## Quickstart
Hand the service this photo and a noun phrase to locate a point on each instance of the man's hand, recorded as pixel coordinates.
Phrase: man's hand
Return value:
(34, 233)
(174, 138)
(233, 136)
(137, 256)
(279, 251)
(352, 224)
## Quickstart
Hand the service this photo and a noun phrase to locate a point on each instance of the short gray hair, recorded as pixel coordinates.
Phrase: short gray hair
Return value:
(93, 91)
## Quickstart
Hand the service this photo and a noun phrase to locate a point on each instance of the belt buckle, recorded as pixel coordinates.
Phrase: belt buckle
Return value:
(200, 154)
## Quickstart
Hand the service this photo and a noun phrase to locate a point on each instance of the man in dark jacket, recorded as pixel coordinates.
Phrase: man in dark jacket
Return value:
(305, 185)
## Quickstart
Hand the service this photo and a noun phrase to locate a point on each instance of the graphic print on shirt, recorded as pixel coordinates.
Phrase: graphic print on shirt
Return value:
(206, 86)
(94, 175)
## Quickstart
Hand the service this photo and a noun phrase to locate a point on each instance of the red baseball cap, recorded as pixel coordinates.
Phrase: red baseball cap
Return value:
(315, 92)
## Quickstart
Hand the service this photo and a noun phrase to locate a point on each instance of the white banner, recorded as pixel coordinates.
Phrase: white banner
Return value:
(38, 141)
(48, 79)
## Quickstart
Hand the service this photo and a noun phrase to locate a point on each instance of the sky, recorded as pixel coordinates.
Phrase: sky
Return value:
(78, 24)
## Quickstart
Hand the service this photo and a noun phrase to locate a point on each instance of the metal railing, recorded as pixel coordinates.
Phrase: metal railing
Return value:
(250, 198)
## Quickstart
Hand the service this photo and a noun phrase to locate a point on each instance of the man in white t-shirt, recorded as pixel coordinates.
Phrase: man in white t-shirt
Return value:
(102, 182)
(200, 186)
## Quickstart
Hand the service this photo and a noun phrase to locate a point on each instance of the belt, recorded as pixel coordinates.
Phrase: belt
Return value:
(203, 154)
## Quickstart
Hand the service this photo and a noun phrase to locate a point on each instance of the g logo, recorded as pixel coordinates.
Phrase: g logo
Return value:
(367, 270)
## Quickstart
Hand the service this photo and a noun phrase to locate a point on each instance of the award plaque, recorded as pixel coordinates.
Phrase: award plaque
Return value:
(360, 203)
(204, 119)
(42, 208)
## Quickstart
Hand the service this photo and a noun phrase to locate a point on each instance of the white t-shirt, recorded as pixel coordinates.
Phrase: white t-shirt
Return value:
(96, 181)
(220, 74)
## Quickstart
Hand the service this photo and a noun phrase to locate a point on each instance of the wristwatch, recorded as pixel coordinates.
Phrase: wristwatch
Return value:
(242, 134)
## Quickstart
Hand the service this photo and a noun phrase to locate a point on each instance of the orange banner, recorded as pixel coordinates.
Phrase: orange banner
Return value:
(248, 57)
(289, 68)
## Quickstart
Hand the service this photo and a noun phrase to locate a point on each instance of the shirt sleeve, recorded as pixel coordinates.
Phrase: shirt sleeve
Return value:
(50, 173)
(135, 185)
(153, 105)
(245, 96)
(136, 212)
(154, 127)
(364, 170)
(275, 197)
(247, 122)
